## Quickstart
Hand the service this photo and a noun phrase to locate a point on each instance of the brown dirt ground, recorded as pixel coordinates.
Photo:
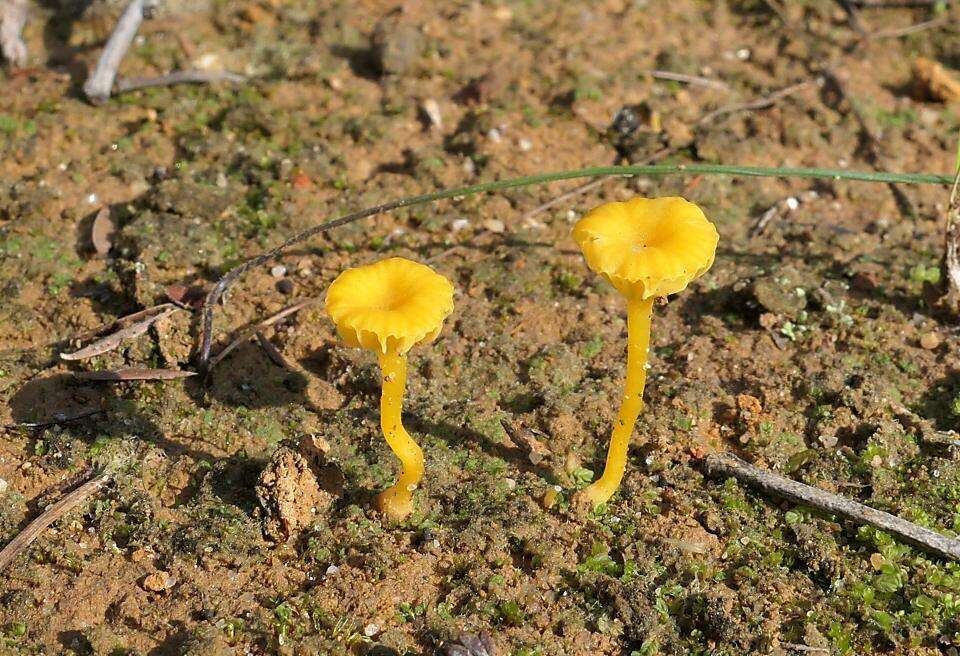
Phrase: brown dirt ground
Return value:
(800, 350)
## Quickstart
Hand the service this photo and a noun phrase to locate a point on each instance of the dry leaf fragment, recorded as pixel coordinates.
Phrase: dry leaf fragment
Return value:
(114, 340)
(102, 232)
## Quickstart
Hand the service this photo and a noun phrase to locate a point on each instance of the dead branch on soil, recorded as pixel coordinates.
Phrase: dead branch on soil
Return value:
(70, 501)
(726, 466)
(114, 340)
(13, 16)
(253, 330)
(100, 83)
(125, 85)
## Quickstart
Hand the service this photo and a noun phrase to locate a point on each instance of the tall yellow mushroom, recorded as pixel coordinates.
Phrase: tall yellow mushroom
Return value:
(647, 248)
(388, 307)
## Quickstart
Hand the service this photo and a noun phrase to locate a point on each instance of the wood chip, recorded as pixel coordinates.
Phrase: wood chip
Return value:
(186, 296)
(119, 375)
(102, 232)
(114, 340)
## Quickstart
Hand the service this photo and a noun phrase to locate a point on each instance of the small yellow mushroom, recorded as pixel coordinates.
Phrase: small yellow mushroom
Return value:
(388, 307)
(647, 248)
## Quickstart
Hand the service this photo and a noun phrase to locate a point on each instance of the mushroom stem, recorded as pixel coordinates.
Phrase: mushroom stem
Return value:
(639, 312)
(397, 501)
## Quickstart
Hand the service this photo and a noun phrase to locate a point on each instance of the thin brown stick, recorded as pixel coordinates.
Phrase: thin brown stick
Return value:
(272, 351)
(757, 103)
(33, 530)
(727, 466)
(695, 80)
(892, 4)
(177, 77)
(57, 420)
(911, 29)
(252, 330)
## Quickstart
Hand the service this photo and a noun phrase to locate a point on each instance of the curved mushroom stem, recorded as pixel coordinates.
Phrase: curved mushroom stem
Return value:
(397, 501)
(639, 312)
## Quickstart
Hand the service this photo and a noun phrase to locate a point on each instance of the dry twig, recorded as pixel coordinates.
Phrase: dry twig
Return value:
(13, 16)
(57, 420)
(177, 77)
(911, 29)
(100, 83)
(726, 466)
(121, 375)
(272, 351)
(70, 501)
(695, 80)
(252, 330)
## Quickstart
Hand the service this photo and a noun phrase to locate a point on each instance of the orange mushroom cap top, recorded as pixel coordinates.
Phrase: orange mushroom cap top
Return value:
(647, 247)
(389, 306)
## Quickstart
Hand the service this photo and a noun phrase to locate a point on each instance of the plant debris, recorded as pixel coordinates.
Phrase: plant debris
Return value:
(114, 340)
(120, 375)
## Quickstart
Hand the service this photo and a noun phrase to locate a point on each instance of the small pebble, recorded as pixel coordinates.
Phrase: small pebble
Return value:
(371, 630)
(279, 271)
(930, 341)
(159, 582)
(431, 109)
(494, 225)
(459, 224)
(828, 441)
(3, 486)
(285, 286)
(333, 569)
(511, 483)
(525, 144)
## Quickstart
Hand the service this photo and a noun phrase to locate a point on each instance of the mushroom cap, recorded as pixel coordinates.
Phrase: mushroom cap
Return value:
(390, 305)
(647, 246)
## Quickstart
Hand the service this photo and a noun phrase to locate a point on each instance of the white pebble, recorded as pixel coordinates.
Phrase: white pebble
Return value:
(333, 569)
(279, 271)
(3, 486)
(432, 111)
(792, 203)
(525, 144)
(494, 225)
(371, 630)
(459, 224)
(493, 135)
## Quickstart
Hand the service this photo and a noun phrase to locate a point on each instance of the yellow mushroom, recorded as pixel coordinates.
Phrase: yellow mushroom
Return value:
(388, 307)
(647, 248)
